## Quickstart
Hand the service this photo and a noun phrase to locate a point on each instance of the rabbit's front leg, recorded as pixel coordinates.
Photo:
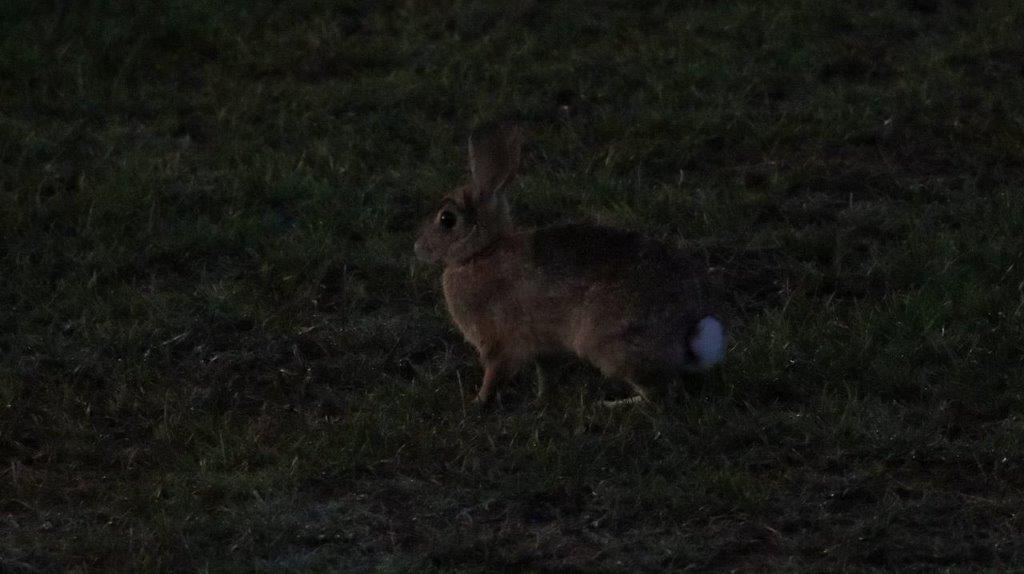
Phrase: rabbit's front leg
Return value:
(542, 382)
(494, 374)
(498, 368)
(547, 369)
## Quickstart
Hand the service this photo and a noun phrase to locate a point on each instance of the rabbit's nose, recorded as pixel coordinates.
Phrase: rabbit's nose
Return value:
(421, 252)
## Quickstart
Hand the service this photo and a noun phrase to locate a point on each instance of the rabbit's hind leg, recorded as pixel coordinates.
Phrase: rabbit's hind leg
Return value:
(649, 384)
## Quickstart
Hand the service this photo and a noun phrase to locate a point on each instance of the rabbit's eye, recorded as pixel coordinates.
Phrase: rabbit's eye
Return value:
(447, 220)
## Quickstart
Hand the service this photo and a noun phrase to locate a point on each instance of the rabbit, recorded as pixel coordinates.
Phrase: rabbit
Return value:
(636, 309)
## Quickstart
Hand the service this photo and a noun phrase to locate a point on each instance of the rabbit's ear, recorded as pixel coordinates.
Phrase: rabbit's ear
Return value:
(493, 160)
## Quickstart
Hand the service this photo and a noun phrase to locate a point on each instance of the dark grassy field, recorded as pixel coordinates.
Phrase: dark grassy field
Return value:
(217, 352)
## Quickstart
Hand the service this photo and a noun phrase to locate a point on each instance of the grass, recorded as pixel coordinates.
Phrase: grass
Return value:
(218, 352)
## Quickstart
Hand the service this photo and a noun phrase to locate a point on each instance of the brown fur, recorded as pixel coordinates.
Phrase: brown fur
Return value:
(625, 303)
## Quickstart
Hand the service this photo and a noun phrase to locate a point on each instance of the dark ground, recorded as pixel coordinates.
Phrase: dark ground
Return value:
(217, 352)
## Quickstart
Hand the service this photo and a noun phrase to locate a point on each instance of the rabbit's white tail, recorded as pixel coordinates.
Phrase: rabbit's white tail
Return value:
(708, 342)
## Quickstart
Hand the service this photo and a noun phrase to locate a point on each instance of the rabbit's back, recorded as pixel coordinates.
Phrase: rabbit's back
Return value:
(638, 271)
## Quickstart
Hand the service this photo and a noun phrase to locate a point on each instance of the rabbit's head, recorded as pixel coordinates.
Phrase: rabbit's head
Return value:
(474, 216)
